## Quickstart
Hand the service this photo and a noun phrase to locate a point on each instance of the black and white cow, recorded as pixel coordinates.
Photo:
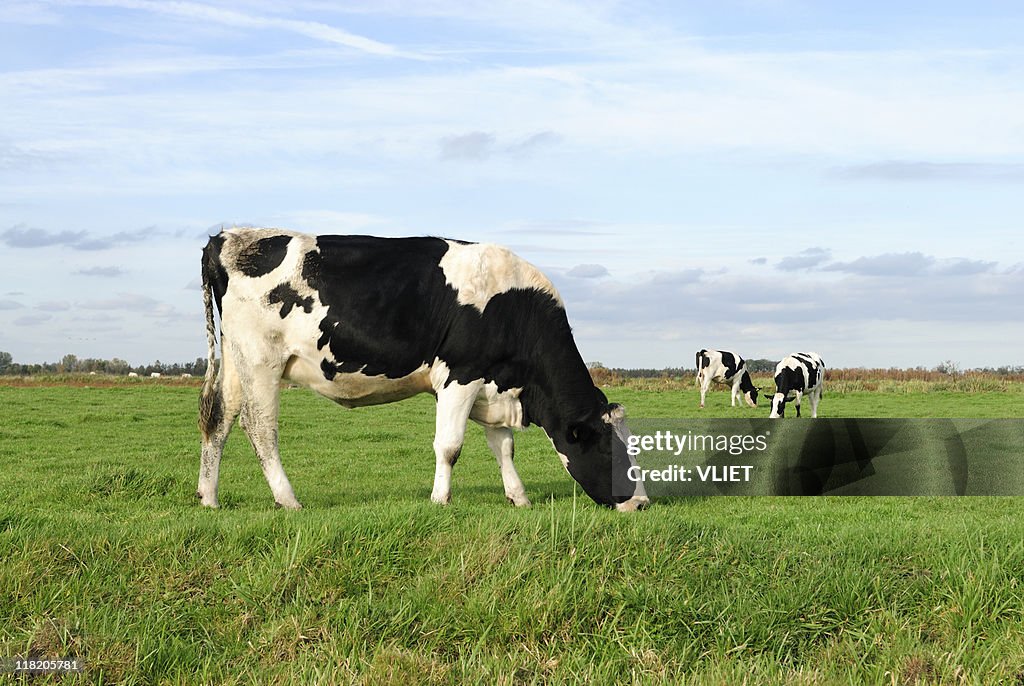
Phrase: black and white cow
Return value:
(798, 374)
(723, 366)
(365, 321)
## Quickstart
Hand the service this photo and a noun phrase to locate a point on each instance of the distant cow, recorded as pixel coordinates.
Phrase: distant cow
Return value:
(154, 375)
(798, 374)
(723, 366)
(133, 374)
(365, 321)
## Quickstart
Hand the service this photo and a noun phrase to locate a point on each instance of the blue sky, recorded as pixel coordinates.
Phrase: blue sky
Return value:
(758, 175)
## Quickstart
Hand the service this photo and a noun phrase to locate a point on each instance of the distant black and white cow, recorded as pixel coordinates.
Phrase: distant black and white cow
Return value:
(798, 374)
(365, 321)
(723, 366)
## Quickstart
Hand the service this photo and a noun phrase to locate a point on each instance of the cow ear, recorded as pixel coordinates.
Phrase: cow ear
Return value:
(614, 414)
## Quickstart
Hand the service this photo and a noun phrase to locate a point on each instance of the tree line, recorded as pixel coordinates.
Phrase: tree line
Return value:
(72, 364)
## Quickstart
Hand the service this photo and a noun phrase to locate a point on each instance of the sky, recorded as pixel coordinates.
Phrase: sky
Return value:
(763, 176)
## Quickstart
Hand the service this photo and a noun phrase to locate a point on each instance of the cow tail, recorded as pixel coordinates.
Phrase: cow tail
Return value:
(210, 402)
(211, 337)
(699, 353)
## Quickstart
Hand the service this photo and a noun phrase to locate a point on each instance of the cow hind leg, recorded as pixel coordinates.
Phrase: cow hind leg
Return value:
(502, 444)
(259, 420)
(454, 403)
(705, 384)
(219, 405)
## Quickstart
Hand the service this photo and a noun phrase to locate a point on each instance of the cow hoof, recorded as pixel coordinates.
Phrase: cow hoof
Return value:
(441, 499)
(293, 506)
(633, 504)
(211, 502)
(521, 501)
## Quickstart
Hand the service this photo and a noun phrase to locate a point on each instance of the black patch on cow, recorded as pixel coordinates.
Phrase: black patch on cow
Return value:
(812, 368)
(731, 363)
(215, 277)
(390, 311)
(788, 380)
(263, 256)
(329, 369)
(289, 298)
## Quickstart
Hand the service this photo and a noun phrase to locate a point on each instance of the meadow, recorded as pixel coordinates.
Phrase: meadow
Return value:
(106, 555)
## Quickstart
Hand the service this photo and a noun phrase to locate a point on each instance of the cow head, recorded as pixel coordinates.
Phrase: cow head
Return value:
(751, 397)
(748, 388)
(593, 450)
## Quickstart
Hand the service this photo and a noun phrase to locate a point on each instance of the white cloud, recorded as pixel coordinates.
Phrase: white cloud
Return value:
(476, 145)
(203, 13)
(811, 257)
(588, 271)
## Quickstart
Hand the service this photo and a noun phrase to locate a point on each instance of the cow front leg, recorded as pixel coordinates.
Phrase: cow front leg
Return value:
(797, 402)
(454, 403)
(502, 444)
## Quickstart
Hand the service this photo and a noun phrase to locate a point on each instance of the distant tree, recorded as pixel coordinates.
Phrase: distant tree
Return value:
(6, 362)
(761, 365)
(948, 367)
(118, 366)
(69, 363)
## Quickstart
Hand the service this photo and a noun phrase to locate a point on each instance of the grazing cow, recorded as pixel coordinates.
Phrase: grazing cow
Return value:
(799, 374)
(722, 366)
(365, 321)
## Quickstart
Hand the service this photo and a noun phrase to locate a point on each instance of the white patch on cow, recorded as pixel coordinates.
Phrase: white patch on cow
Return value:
(777, 400)
(498, 409)
(355, 389)
(479, 271)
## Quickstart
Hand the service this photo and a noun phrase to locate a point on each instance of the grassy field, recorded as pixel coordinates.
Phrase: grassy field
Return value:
(106, 556)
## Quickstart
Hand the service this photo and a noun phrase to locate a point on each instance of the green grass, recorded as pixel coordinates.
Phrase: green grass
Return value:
(105, 555)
